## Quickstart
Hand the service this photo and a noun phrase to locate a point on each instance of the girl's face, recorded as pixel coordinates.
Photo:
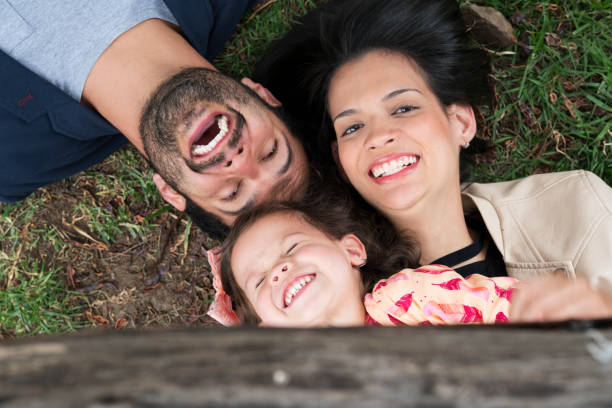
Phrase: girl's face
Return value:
(397, 145)
(295, 275)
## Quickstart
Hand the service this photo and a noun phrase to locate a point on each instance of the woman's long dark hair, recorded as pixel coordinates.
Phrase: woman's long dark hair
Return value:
(299, 67)
(335, 210)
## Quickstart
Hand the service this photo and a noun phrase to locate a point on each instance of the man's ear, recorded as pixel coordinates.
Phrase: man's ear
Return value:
(354, 248)
(336, 156)
(463, 122)
(169, 194)
(263, 92)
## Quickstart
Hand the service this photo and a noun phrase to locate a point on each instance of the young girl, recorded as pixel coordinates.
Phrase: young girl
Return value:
(298, 265)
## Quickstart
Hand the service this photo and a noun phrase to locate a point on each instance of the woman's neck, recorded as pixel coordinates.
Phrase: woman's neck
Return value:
(438, 226)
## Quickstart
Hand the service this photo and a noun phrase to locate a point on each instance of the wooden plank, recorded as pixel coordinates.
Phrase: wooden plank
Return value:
(362, 367)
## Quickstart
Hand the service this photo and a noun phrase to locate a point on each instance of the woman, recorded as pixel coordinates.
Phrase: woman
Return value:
(391, 86)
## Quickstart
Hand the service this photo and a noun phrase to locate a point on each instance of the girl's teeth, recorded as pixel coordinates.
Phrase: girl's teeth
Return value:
(296, 288)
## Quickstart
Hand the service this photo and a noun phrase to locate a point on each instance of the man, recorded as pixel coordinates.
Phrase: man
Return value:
(76, 79)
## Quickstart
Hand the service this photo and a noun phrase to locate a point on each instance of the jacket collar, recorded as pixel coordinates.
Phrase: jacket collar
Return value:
(487, 212)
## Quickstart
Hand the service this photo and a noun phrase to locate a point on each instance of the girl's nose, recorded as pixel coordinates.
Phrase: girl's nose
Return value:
(278, 271)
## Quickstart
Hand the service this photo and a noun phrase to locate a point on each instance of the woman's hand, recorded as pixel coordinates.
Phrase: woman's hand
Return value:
(556, 298)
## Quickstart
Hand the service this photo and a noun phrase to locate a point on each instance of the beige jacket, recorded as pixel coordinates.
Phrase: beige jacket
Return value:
(549, 221)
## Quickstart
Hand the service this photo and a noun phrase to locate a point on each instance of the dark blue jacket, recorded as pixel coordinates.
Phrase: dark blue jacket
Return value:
(46, 136)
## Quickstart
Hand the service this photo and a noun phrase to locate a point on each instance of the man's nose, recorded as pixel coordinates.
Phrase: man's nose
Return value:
(241, 163)
(279, 271)
(379, 136)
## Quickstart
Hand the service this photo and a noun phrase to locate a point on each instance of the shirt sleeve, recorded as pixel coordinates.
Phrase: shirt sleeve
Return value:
(437, 295)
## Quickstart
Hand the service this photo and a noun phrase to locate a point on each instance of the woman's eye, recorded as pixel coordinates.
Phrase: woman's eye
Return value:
(405, 109)
(352, 129)
(259, 283)
(272, 152)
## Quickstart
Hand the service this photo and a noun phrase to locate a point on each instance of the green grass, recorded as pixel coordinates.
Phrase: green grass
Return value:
(554, 108)
(39, 302)
(553, 113)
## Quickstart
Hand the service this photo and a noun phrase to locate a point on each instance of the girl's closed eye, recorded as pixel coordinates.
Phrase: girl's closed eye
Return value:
(291, 249)
(352, 129)
(258, 284)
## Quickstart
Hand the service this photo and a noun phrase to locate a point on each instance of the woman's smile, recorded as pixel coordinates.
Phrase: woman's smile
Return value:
(393, 166)
(397, 144)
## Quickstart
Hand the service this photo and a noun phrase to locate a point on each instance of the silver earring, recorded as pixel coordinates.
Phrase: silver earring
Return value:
(363, 263)
(466, 145)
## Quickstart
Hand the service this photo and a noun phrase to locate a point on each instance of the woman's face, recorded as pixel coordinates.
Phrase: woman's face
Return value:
(397, 145)
(294, 275)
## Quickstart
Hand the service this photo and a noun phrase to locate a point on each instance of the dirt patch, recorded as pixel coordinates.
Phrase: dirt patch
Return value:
(154, 271)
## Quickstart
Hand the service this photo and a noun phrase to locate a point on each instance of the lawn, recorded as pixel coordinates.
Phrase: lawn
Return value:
(101, 248)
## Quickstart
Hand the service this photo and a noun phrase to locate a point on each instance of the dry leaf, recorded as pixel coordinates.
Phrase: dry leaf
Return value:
(97, 319)
(120, 323)
(569, 105)
(553, 97)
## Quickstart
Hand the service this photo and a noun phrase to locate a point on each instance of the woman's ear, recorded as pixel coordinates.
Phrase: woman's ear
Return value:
(354, 249)
(463, 122)
(263, 92)
(169, 194)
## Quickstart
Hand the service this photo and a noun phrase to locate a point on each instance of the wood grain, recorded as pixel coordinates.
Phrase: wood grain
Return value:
(362, 367)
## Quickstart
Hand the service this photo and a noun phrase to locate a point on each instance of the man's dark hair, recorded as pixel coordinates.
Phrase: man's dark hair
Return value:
(334, 209)
(299, 67)
(171, 102)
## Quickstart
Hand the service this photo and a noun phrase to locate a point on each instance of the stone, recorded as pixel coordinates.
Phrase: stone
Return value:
(488, 26)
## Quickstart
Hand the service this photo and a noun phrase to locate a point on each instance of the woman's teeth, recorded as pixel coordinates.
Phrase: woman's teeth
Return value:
(295, 288)
(393, 166)
(197, 150)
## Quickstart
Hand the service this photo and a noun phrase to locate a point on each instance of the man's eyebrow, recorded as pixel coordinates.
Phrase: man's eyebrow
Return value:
(247, 206)
(287, 164)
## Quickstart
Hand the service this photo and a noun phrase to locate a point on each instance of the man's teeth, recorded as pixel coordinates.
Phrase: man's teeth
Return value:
(393, 166)
(297, 286)
(197, 150)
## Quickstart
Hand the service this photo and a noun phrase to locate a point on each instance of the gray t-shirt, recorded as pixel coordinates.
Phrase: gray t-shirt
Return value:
(61, 40)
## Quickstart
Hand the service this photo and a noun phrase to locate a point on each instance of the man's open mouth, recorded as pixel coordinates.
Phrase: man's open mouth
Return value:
(210, 136)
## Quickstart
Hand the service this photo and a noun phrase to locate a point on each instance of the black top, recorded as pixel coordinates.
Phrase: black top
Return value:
(492, 265)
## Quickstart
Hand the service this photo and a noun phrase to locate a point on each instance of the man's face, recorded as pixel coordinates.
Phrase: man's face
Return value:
(235, 157)
(231, 151)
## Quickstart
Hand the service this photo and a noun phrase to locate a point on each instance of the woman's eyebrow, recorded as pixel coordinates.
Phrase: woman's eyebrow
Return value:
(388, 96)
(344, 113)
(397, 92)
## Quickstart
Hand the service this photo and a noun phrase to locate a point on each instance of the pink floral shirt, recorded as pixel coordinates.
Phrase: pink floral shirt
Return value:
(436, 294)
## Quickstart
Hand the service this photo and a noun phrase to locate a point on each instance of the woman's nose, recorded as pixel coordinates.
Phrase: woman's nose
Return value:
(278, 272)
(379, 137)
